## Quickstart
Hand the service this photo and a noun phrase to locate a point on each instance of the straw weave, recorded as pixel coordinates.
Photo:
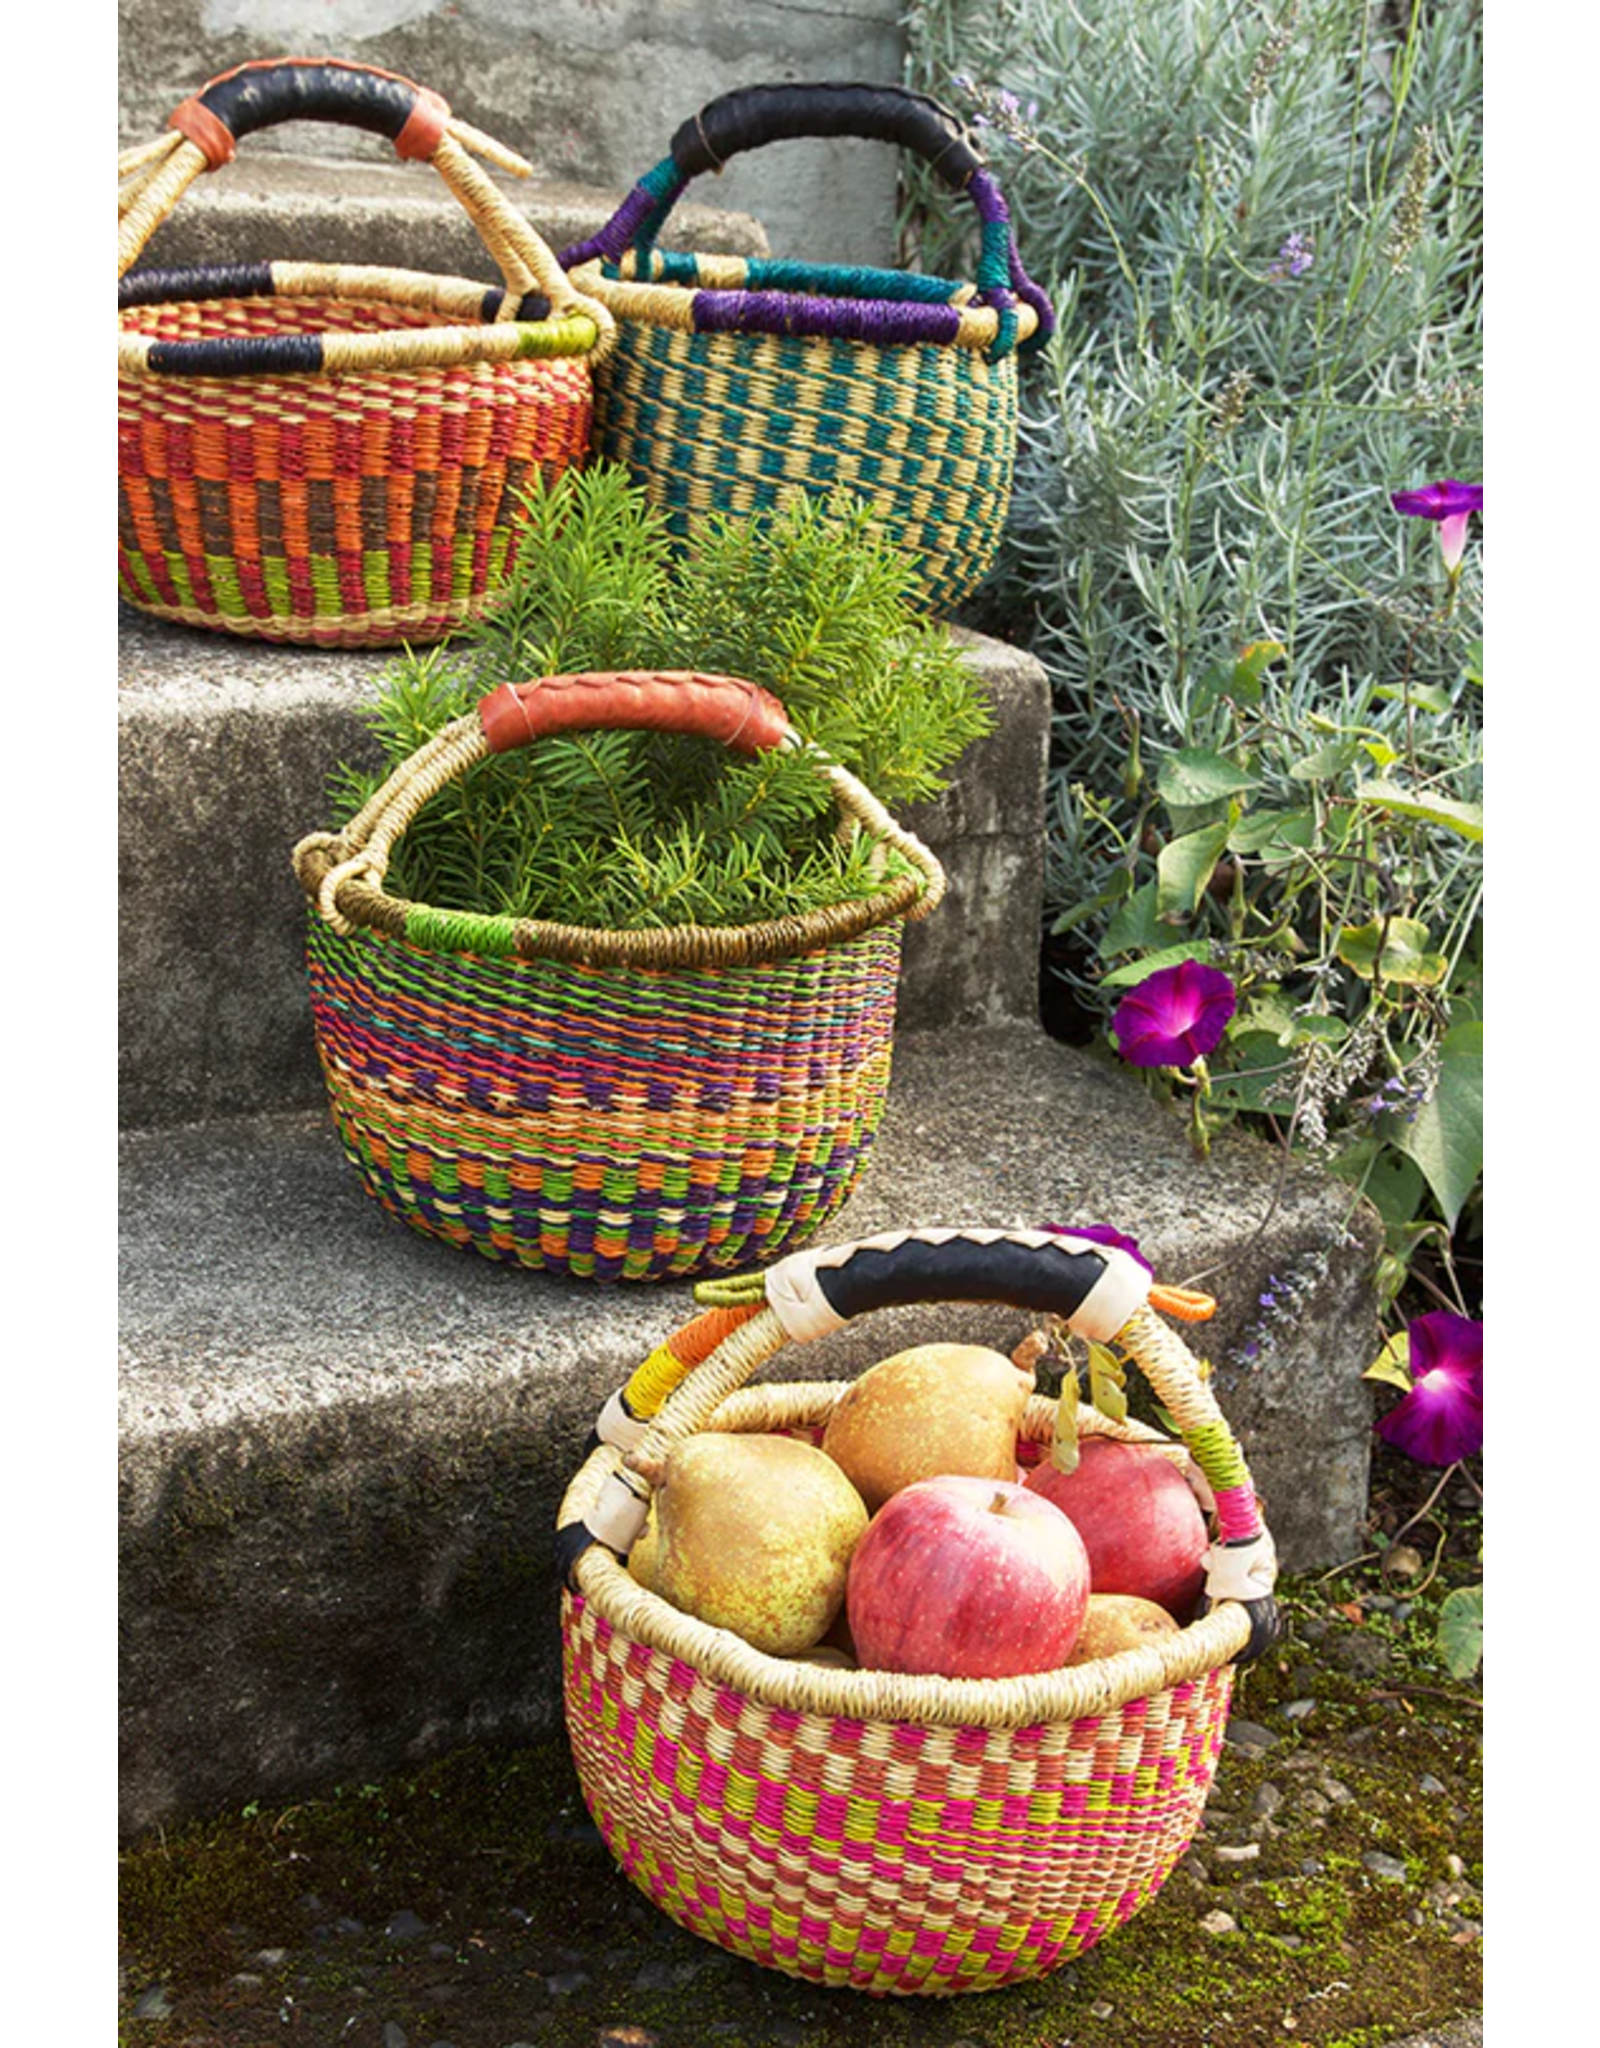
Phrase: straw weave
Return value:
(347, 510)
(616, 1123)
(895, 1834)
(743, 424)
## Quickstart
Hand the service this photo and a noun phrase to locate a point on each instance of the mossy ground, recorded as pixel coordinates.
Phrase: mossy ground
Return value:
(533, 1936)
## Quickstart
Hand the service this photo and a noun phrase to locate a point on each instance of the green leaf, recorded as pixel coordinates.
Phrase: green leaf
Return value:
(1446, 1140)
(1423, 696)
(1383, 755)
(1273, 832)
(1107, 1382)
(1461, 1630)
(1136, 926)
(1259, 1077)
(1243, 681)
(1194, 776)
(1463, 819)
(1392, 949)
(1326, 763)
(1169, 956)
(1184, 866)
(1392, 1364)
(1393, 1183)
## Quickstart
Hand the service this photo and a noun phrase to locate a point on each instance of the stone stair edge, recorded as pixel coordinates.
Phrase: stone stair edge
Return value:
(354, 209)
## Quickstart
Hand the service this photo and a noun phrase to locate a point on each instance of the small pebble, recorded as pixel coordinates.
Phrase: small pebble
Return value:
(272, 1958)
(1236, 1852)
(1336, 1790)
(1219, 1923)
(1314, 1802)
(1431, 1785)
(1389, 1867)
(627, 2037)
(247, 1980)
(1297, 1710)
(153, 2004)
(1249, 1735)
(1312, 1866)
(653, 1977)
(404, 1926)
(1454, 1865)
(1100, 2010)
(566, 1982)
(395, 2035)
(1268, 1798)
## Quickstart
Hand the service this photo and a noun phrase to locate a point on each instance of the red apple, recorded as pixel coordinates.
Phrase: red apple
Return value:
(1140, 1524)
(967, 1578)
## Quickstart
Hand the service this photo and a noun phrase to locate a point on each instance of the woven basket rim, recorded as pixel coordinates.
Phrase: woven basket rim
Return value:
(464, 337)
(889, 1698)
(667, 304)
(666, 947)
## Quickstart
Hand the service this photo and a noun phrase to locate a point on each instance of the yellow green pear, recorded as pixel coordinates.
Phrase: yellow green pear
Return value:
(1113, 1622)
(755, 1534)
(932, 1410)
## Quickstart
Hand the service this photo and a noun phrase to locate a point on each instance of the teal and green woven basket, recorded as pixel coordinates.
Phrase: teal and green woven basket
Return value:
(736, 385)
(615, 1105)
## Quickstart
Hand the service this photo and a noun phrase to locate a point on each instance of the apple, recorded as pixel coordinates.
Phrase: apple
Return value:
(755, 1534)
(1140, 1523)
(967, 1578)
(1119, 1621)
(927, 1412)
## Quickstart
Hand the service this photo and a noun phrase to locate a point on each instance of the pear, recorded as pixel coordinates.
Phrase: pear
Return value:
(642, 1557)
(755, 1535)
(924, 1413)
(1119, 1621)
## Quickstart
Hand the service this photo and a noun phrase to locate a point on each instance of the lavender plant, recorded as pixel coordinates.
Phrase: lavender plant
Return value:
(1261, 227)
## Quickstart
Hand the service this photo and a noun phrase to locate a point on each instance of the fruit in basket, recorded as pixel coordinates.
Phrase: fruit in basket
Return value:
(646, 1549)
(756, 1535)
(936, 1409)
(1119, 1621)
(967, 1578)
(1140, 1523)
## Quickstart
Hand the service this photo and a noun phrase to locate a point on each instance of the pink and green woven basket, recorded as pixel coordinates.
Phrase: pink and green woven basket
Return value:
(894, 1834)
(616, 1105)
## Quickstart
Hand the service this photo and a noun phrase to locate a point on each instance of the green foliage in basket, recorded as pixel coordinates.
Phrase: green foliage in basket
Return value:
(1261, 227)
(627, 830)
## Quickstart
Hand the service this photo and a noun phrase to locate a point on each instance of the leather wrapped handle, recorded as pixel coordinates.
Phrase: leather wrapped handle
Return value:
(756, 114)
(728, 708)
(268, 91)
(1093, 1287)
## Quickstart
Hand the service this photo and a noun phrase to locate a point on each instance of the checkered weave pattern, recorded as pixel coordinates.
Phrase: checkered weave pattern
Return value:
(737, 385)
(334, 454)
(891, 1833)
(888, 1856)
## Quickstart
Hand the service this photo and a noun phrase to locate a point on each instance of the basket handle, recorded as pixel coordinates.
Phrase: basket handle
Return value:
(728, 708)
(267, 91)
(1099, 1290)
(753, 115)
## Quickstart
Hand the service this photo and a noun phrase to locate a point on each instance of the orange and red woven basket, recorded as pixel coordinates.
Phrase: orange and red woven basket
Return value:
(863, 1828)
(333, 454)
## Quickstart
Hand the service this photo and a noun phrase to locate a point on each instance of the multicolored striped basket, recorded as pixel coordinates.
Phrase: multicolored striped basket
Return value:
(627, 1105)
(333, 453)
(853, 1827)
(736, 384)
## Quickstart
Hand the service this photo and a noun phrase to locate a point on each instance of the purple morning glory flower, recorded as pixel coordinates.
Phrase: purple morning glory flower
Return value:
(1175, 1016)
(1101, 1233)
(1441, 1419)
(1450, 505)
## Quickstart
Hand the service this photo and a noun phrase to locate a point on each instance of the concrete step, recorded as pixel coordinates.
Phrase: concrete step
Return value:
(590, 95)
(225, 751)
(267, 207)
(344, 1445)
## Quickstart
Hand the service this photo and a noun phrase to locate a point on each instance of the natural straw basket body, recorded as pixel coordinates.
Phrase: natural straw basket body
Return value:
(334, 453)
(613, 1105)
(893, 1833)
(736, 385)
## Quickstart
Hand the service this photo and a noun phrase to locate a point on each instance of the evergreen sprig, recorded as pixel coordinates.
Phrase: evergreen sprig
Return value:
(624, 830)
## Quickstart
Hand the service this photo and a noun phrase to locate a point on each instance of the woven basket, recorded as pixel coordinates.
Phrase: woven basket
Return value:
(615, 1105)
(333, 453)
(892, 1833)
(735, 385)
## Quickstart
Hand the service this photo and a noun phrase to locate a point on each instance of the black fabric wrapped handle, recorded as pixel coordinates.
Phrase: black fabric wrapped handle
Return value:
(754, 115)
(269, 91)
